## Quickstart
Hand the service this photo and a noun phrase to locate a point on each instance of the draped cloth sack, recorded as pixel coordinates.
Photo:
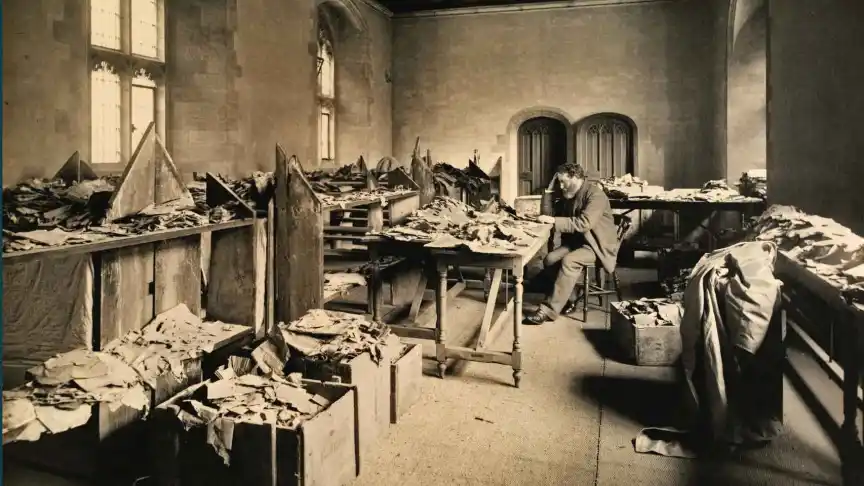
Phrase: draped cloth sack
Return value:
(733, 365)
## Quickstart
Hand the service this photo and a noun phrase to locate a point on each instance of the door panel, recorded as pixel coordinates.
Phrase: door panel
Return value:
(604, 146)
(542, 146)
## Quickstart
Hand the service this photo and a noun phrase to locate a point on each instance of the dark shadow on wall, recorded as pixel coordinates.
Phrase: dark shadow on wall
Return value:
(689, 151)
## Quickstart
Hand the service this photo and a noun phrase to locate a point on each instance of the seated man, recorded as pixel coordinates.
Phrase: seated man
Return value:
(589, 236)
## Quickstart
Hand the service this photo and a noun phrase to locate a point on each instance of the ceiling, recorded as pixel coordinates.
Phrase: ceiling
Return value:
(408, 6)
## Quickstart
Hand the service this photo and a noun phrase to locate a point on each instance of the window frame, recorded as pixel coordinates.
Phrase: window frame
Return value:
(127, 65)
(326, 102)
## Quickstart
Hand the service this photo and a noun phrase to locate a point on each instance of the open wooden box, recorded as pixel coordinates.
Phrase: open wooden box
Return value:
(372, 381)
(406, 371)
(105, 448)
(321, 451)
(646, 345)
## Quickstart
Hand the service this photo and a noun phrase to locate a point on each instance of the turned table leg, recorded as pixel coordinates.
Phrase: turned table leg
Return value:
(517, 328)
(441, 320)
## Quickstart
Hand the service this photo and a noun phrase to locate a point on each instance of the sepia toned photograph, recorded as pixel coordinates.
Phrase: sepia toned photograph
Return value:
(433, 242)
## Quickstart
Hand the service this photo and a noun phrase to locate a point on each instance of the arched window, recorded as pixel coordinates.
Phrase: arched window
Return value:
(326, 97)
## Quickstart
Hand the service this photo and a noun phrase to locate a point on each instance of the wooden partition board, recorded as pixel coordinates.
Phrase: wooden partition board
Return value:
(238, 267)
(423, 177)
(299, 246)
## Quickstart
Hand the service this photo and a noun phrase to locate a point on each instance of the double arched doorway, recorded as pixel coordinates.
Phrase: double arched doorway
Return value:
(603, 143)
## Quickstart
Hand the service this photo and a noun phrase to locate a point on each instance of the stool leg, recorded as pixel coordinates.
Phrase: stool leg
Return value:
(586, 282)
(617, 284)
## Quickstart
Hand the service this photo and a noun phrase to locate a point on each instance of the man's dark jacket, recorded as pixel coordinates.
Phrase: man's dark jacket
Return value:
(592, 216)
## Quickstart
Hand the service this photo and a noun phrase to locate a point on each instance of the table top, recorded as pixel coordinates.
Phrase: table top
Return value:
(112, 243)
(463, 255)
(359, 203)
(653, 203)
(796, 271)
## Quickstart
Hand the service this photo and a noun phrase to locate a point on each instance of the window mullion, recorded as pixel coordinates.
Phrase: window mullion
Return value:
(126, 148)
(126, 27)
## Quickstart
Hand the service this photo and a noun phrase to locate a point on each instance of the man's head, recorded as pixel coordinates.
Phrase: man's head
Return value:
(571, 177)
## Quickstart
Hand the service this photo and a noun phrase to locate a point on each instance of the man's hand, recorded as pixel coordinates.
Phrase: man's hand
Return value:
(551, 185)
(545, 219)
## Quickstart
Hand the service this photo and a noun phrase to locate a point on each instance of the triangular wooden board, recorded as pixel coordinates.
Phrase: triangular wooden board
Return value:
(218, 193)
(361, 164)
(496, 169)
(398, 177)
(76, 170)
(475, 171)
(169, 182)
(137, 188)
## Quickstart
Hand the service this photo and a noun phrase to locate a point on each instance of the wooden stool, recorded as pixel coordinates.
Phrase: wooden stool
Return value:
(600, 286)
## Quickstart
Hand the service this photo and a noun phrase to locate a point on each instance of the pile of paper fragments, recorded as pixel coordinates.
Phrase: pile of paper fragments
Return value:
(651, 312)
(330, 336)
(754, 183)
(246, 398)
(825, 247)
(171, 339)
(53, 203)
(63, 390)
(46, 213)
(337, 283)
(711, 191)
(622, 187)
(381, 195)
(448, 179)
(448, 223)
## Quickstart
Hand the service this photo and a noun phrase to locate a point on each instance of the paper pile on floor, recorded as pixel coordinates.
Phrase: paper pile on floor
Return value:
(168, 341)
(651, 312)
(63, 390)
(339, 282)
(448, 223)
(246, 398)
(331, 336)
(827, 248)
(754, 183)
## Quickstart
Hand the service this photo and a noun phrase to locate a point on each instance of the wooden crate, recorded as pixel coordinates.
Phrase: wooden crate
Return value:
(107, 447)
(373, 393)
(322, 451)
(405, 373)
(646, 346)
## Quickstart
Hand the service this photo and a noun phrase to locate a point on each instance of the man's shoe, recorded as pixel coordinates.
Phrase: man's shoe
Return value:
(537, 318)
(571, 308)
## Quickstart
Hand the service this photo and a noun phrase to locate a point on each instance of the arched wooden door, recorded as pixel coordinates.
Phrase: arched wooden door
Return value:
(542, 147)
(604, 146)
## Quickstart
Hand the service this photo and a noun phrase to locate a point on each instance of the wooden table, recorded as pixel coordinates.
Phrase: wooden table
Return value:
(745, 208)
(848, 321)
(437, 262)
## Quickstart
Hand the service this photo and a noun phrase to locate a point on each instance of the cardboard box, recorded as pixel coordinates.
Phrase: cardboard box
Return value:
(320, 451)
(406, 371)
(644, 342)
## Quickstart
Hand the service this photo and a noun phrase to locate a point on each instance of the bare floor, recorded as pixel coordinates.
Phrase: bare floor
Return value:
(572, 421)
